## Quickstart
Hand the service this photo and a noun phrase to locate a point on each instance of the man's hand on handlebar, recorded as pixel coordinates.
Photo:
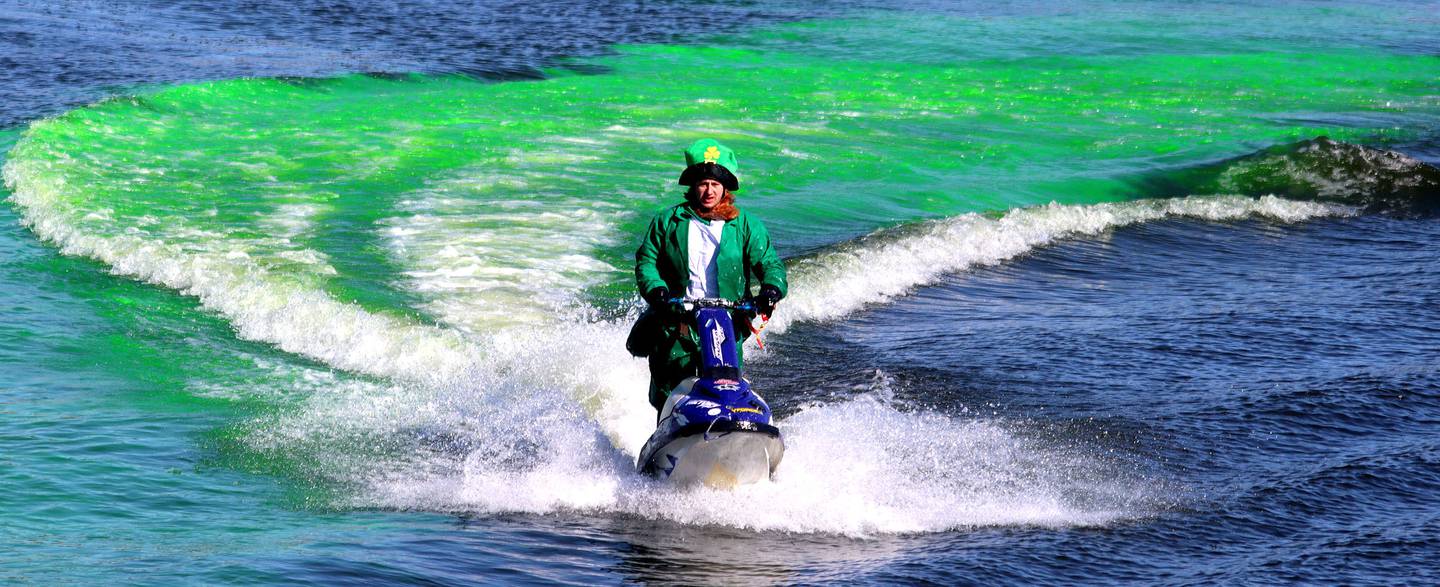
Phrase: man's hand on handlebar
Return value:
(658, 297)
(766, 301)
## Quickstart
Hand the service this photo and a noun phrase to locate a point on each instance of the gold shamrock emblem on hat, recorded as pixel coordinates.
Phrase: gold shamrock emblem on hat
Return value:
(712, 154)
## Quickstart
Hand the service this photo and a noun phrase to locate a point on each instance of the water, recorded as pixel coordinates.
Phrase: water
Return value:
(335, 293)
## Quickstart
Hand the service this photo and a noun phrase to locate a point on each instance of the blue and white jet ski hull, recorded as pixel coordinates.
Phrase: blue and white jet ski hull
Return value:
(720, 452)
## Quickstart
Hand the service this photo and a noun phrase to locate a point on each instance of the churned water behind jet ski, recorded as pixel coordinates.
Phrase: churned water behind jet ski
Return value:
(714, 429)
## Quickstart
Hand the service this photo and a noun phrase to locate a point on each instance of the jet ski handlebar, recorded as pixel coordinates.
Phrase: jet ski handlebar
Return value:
(690, 305)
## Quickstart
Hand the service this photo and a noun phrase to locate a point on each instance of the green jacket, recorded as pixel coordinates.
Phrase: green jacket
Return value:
(744, 258)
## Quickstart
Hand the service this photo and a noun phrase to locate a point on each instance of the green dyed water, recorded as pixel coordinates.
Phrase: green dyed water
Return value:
(533, 187)
(368, 264)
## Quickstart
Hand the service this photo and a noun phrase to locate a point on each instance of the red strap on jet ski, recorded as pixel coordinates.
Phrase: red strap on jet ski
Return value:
(764, 319)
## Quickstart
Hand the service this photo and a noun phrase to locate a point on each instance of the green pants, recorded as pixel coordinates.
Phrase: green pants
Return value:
(676, 355)
(666, 374)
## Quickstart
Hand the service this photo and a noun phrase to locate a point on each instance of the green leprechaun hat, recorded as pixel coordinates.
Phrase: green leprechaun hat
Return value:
(708, 159)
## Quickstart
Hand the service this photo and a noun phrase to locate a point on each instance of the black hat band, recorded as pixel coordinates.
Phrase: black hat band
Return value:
(701, 171)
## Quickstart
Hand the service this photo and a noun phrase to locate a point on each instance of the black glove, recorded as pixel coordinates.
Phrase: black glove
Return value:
(765, 302)
(657, 297)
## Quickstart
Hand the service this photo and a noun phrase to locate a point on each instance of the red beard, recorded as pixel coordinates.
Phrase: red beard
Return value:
(724, 210)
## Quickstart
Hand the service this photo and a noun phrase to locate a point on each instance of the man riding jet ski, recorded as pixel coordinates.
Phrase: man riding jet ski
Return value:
(701, 249)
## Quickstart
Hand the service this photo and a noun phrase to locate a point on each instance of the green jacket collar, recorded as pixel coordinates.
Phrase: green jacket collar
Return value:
(682, 212)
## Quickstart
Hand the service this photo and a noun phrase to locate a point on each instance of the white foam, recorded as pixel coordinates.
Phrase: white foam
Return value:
(485, 249)
(857, 468)
(292, 220)
(260, 304)
(880, 266)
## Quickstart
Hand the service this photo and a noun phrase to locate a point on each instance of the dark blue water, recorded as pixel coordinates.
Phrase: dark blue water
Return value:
(64, 53)
(1282, 377)
(1271, 390)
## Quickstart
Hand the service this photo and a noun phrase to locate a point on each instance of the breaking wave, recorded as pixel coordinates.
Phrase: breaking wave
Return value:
(885, 264)
(1318, 169)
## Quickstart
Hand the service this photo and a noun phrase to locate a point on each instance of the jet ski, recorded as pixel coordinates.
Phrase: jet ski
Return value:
(714, 429)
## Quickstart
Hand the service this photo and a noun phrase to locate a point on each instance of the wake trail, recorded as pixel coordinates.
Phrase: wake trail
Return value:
(488, 421)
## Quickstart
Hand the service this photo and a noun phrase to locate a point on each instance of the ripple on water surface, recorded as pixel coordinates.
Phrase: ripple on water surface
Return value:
(1149, 398)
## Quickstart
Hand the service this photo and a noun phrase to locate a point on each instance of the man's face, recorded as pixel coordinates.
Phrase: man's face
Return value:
(709, 193)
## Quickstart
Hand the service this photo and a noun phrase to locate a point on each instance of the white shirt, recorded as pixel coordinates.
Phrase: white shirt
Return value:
(704, 239)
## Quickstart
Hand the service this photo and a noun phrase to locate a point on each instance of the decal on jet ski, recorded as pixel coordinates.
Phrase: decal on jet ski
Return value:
(717, 341)
(751, 410)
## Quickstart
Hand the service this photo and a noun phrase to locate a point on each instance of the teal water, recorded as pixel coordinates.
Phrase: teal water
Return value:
(360, 327)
